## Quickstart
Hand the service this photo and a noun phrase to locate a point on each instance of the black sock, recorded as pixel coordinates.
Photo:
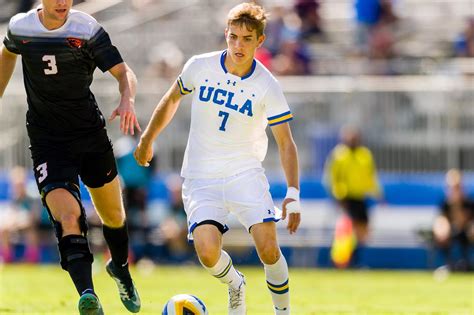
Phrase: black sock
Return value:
(81, 275)
(117, 240)
(77, 259)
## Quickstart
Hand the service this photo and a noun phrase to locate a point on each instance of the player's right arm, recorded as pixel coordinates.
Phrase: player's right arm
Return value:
(7, 65)
(162, 115)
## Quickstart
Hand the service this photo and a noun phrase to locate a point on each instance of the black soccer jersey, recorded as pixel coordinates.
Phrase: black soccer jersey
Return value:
(58, 67)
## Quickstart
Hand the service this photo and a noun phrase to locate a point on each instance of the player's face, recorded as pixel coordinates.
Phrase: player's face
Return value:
(241, 44)
(56, 10)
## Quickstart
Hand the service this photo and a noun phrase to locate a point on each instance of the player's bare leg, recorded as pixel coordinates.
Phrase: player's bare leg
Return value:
(108, 203)
(208, 244)
(276, 268)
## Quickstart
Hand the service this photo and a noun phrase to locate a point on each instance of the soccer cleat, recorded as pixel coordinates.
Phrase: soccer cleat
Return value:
(89, 305)
(237, 299)
(128, 292)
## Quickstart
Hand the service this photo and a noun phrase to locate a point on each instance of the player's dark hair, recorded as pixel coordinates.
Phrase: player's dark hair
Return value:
(251, 15)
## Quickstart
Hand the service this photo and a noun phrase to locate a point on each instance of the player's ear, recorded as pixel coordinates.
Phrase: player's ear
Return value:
(260, 40)
(226, 31)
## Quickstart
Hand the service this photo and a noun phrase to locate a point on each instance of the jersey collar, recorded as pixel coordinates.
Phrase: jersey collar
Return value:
(252, 69)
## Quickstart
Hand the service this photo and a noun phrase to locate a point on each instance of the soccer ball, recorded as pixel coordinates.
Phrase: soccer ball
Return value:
(184, 304)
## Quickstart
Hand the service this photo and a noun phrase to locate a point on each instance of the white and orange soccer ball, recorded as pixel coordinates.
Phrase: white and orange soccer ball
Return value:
(184, 304)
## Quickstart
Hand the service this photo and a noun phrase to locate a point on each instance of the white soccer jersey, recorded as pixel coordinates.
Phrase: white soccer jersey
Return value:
(229, 116)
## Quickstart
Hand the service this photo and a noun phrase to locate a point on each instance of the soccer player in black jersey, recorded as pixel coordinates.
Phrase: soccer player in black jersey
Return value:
(60, 49)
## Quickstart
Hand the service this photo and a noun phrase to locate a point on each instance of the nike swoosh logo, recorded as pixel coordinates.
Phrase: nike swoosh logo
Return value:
(280, 309)
(109, 172)
(25, 41)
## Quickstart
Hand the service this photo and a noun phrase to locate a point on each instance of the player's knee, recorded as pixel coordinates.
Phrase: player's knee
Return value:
(114, 218)
(269, 253)
(208, 255)
(69, 221)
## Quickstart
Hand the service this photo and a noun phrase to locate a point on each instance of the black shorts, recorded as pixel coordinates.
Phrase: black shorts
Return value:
(357, 210)
(90, 157)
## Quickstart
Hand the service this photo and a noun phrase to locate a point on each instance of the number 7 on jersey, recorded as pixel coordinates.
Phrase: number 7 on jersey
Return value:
(224, 120)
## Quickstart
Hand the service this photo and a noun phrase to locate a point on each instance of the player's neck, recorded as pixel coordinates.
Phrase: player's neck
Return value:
(237, 70)
(49, 23)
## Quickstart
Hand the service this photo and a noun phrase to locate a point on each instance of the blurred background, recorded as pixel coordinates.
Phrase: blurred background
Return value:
(400, 70)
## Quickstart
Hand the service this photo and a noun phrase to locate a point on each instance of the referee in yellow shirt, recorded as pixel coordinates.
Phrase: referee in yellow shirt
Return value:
(351, 177)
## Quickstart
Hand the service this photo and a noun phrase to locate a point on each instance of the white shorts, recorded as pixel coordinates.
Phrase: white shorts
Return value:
(246, 195)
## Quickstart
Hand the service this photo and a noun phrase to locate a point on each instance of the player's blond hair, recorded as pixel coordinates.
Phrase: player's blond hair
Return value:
(251, 15)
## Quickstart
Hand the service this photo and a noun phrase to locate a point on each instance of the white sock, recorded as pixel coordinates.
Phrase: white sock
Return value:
(224, 271)
(277, 282)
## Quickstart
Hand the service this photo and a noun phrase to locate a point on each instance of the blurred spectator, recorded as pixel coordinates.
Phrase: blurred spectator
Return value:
(275, 29)
(136, 180)
(464, 44)
(351, 177)
(284, 52)
(308, 12)
(455, 223)
(382, 37)
(173, 228)
(19, 220)
(166, 60)
(367, 14)
(292, 59)
(374, 28)
(381, 42)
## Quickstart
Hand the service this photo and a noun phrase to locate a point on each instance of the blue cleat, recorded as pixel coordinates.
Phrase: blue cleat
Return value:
(128, 292)
(89, 305)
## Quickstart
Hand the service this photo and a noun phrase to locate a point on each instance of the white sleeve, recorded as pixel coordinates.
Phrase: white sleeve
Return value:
(276, 106)
(186, 78)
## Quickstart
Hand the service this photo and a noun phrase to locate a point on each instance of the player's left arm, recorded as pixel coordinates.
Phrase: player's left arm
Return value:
(289, 161)
(127, 87)
(7, 65)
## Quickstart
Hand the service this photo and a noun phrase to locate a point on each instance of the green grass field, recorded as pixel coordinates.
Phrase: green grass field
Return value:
(48, 290)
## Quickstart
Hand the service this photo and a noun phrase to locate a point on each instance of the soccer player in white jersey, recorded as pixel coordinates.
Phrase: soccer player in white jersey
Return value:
(60, 49)
(234, 99)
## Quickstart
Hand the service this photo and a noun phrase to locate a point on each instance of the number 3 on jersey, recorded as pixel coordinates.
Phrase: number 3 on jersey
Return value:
(52, 68)
(42, 172)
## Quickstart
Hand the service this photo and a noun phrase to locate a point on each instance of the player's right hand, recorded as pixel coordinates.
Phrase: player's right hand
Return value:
(143, 153)
(291, 208)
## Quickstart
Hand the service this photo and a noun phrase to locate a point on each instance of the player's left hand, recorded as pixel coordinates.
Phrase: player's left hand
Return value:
(291, 207)
(128, 118)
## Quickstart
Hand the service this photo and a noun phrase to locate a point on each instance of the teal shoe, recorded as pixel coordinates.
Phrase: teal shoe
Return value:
(128, 292)
(89, 305)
